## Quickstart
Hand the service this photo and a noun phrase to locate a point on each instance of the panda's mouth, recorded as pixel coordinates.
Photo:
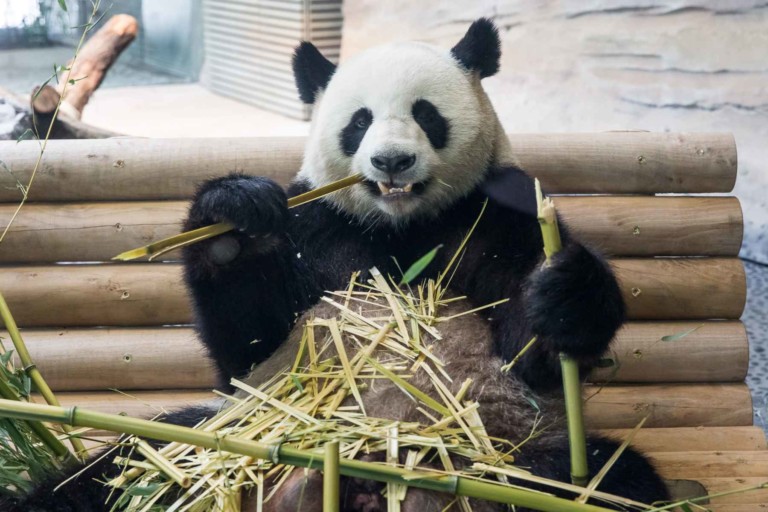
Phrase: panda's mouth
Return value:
(392, 190)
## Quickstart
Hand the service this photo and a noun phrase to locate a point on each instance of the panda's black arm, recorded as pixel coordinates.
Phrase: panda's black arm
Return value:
(573, 305)
(247, 286)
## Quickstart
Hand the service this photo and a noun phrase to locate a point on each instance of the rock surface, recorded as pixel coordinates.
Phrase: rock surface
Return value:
(599, 65)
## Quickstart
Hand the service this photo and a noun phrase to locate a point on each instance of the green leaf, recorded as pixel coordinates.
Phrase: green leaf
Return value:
(680, 335)
(297, 383)
(27, 134)
(143, 490)
(419, 266)
(63, 5)
(4, 358)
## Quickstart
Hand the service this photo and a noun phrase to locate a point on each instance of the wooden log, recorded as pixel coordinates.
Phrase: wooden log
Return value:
(145, 169)
(153, 294)
(726, 482)
(713, 464)
(668, 405)
(660, 226)
(96, 295)
(615, 406)
(693, 439)
(674, 288)
(90, 67)
(682, 226)
(133, 358)
(124, 359)
(711, 352)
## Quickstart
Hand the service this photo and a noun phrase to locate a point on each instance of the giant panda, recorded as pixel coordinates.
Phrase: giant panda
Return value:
(414, 120)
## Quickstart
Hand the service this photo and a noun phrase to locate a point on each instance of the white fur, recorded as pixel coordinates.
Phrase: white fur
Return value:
(388, 80)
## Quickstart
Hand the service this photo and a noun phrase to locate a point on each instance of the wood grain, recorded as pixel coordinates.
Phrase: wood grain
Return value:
(145, 294)
(668, 405)
(713, 351)
(620, 226)
(134, 168)
(709, 464)
(693, 439)
(173, 358)
(123, 358)
(676, 288)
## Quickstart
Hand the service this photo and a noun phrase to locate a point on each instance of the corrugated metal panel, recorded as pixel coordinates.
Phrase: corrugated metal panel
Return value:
(249, 44)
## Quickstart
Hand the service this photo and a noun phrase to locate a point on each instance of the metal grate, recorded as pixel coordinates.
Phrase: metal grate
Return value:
(249, 44)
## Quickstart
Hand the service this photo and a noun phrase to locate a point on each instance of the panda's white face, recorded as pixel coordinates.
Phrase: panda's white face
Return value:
(415, 124)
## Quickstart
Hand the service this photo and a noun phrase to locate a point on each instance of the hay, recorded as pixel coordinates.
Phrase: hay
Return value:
(319, 400)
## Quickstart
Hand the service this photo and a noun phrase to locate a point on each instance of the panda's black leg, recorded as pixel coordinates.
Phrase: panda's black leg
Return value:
(632, 476)
(86, 492)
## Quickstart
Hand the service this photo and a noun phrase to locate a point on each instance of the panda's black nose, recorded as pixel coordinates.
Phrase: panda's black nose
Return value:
(393, 164)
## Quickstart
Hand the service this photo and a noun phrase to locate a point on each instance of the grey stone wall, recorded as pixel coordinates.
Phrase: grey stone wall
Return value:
(585, 65)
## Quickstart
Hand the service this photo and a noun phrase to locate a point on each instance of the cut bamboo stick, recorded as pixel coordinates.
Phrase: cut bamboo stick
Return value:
(693, 439)
(620, 226)
(151, 294)
(669, 405)
(652, 440)
(615, 407)
(124, 168)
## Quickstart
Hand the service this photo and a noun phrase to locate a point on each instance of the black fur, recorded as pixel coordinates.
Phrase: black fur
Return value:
(430, 120)
(311, 71)
(480, 48)
(573, 305)
(352, 134)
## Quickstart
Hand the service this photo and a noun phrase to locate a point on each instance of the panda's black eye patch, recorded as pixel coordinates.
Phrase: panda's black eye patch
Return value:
(435, 126)
(352, 134)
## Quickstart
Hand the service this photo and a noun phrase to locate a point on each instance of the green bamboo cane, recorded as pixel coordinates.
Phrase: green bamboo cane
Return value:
(577, 438)
(41, 431)
(165, 245)
(423, 479)
(331, 477)
(31, 369)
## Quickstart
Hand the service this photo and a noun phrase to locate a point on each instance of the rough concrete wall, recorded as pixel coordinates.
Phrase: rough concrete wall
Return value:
(584, 65)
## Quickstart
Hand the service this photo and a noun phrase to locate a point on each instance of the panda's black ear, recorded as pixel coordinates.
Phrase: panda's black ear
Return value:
(480, 48)
(311, 70)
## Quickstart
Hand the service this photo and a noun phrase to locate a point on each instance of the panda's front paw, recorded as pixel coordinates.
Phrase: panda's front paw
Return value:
(254, 205)
(574, 304)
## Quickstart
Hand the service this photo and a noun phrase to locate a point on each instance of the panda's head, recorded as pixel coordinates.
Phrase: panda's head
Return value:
(411, 117)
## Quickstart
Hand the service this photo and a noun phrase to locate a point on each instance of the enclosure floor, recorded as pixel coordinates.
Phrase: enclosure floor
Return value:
(184, 110)
(756, 320)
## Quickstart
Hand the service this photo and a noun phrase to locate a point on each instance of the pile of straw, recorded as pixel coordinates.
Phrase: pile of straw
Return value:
(389, 327)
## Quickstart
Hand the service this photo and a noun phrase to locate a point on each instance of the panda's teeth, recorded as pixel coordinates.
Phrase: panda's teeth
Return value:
(387, 190)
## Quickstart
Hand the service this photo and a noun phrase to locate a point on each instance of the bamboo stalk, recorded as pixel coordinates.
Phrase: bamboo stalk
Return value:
(41, 431)
(331, 477)
(31, 369)
(423, 479)
(155, 249)
(577, 438)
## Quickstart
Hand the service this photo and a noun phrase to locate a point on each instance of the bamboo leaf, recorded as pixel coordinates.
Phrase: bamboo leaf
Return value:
(681, 335)
(63, 5)
(419, 266)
